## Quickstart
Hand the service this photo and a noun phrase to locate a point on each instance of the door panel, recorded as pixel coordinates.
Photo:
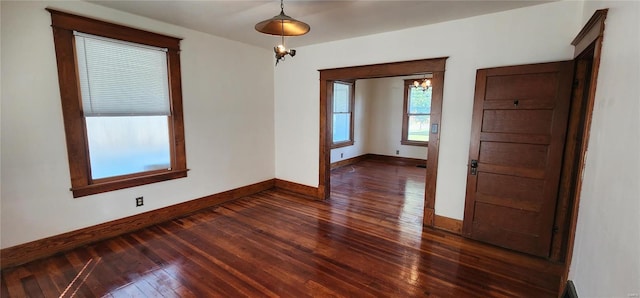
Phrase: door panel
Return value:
(507, 219)
(519, 125)
(521, 194)
(530, 156)
(535, 86)
(512, 240)
(514, 121)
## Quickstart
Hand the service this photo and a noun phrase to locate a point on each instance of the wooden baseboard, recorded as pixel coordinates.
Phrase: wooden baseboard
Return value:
(570, 290)
(298, 188)
(429, 214)
(23, 253)
(348, 161)
(396, 160)
(448, 224)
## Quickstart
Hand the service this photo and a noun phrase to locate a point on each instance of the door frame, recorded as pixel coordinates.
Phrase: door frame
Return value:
(328, 76)
(588, 50)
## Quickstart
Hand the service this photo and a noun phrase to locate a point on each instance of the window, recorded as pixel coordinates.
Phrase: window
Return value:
(416, 115)
(342, 107)
(122, 104)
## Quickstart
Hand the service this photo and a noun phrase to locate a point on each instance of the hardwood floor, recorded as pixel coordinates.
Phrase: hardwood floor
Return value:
(366, 241)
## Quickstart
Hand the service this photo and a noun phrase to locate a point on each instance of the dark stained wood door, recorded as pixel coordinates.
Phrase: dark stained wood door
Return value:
(519, 125)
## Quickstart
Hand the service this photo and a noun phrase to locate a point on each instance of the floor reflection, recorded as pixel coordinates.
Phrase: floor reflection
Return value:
(367, 240)
(397, 192)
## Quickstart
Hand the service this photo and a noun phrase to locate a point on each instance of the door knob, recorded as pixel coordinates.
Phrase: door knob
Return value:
(474, 167)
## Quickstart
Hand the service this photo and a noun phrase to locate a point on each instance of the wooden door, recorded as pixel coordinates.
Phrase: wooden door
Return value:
(519, 124)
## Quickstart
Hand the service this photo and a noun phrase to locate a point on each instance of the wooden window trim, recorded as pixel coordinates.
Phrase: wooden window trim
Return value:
(82, 184)
(352, 101)
(405, 118)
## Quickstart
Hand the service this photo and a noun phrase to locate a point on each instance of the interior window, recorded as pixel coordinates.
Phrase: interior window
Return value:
(342, 124)
(417, 113)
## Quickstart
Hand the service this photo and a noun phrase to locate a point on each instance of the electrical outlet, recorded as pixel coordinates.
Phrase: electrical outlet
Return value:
(139, 201)
(397, 152)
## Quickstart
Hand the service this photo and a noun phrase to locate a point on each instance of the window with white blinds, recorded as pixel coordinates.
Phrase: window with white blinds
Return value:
(125, 102)
(122, 107)
(120, 78)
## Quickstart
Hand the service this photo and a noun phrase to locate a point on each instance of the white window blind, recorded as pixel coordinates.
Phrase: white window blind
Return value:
(120, 78)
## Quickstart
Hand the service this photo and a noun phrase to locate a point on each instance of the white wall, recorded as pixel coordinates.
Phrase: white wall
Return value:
(228, 128)
(606, 258)
(540, 33)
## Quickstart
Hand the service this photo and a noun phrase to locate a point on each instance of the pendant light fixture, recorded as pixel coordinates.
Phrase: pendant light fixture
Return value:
(424, 84)
(282, 25)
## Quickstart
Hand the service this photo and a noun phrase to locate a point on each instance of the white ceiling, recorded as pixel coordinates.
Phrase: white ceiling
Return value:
(329, 20)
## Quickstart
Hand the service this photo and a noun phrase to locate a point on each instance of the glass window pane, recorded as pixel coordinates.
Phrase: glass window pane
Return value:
(127, 145)
(419, 101)
(418, 129)
(341, 98)
(341, 127)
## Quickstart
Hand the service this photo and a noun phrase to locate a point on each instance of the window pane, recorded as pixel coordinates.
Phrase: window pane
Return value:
(419, 101)
(419, 128)
(341, 98)
(126, 145)
(341, 127)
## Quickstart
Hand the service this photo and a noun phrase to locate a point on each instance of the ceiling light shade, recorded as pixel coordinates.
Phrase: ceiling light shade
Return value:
(283, 25)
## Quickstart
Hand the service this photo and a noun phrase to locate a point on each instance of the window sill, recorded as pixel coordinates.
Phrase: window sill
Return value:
(341, 144)
(414, 143)
(127, 182)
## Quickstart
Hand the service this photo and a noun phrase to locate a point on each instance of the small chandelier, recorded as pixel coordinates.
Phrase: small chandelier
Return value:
(424, 84)
(282, 25)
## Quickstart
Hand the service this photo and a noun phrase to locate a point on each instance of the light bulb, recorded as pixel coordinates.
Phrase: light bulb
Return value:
(281, 49)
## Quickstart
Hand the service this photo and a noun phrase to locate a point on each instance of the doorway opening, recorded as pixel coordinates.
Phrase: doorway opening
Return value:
(435, 66)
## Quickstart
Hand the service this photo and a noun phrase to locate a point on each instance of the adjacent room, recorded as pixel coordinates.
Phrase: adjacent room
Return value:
(339, 148)
(370, 135)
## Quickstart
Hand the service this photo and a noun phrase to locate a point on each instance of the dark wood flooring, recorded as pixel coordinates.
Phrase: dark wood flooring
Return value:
(366, 241)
